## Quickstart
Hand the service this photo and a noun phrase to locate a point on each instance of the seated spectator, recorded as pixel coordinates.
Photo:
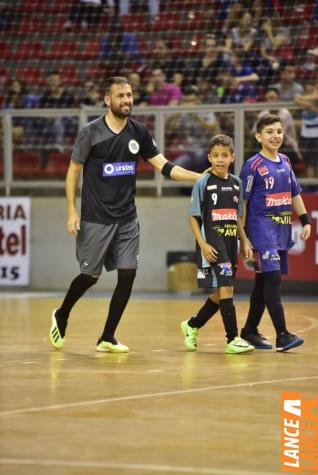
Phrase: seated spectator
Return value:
(287, 87)
(190, 133)
(91, 95)
(209, 62)
(53, 130)
(120, 50)
(241, 67)
(126, 6)
(272, 39)
(244, 35)
(19, 98)
(231, 10)
(139, 93)
(163, 93)
(207, 91)
(168, 61)
(309, 127)
(290, 145)
(88, 12)
(231, 90)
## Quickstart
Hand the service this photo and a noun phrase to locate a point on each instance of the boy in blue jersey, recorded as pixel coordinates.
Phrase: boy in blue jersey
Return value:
(270, 190)
(215, 219)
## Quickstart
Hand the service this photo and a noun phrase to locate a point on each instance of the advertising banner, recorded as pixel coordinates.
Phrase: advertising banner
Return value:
(15, 222)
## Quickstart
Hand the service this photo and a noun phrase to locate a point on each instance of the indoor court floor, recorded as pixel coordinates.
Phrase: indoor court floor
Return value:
(156, 410)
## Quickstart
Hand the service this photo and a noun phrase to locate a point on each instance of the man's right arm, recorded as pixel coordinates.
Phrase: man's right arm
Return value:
(72, 178)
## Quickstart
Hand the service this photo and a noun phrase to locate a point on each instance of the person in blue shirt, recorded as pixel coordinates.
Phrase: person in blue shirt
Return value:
(270, 190)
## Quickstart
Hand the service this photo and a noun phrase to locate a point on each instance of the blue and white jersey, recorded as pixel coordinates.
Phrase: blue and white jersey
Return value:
(269, 187)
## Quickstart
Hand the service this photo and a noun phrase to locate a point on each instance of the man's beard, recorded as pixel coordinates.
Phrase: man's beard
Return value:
(117, 112)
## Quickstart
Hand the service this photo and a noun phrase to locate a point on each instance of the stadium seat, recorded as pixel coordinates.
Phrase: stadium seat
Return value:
(26, 49)
(6, 50)
(62, 49)
(58, 163)
(26, 164)
(90, 50)
(70, 75)
(31, 75)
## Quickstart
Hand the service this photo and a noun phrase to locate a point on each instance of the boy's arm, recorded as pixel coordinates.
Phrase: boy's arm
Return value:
(246, 250)
(300, 209)
(209, 252)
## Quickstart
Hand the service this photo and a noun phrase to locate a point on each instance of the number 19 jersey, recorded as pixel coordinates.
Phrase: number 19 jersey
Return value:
(268, 188)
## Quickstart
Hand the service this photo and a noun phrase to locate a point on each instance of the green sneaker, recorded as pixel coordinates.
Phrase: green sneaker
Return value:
(190, 335)
(54, 334)
(107, 346)
(238, 345)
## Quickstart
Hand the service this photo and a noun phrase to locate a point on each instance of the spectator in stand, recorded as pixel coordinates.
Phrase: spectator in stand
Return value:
(120, 50)
(163, 93)
(125, 6)
(210, 61)
(244, 35)
(138, 90)
(91, 95)
(240, 66)
(233, 89)
(273, 38)
(290, 145)
(56, 96)
(231, 10)
(191, 132)
(88, 12)
(287, 87)
(309, 128)
(168, 61)
(207, 91)
(19, 98)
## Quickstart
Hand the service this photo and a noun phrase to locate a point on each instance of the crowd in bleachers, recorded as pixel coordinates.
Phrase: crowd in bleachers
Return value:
(57, 54)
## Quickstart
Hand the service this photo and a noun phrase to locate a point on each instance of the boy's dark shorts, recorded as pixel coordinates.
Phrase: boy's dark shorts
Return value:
(217, 275)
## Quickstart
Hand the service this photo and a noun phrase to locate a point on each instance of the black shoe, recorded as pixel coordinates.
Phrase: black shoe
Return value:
(257, 340)
(285, 341)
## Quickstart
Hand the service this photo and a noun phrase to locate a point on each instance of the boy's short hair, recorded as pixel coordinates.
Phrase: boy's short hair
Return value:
(267, 119)
(221, 139)
(114, 80)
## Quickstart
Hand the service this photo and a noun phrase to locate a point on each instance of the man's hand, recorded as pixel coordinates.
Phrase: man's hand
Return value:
(306, 232)
(73, 222)
(209, 252)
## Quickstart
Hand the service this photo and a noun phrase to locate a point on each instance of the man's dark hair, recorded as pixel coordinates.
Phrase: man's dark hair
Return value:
(266, 120)
(114, 80)
(53, 72)
(221, 139)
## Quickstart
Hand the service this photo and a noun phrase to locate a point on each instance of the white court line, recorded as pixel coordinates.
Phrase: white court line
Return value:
(149, 395)
(130, 466)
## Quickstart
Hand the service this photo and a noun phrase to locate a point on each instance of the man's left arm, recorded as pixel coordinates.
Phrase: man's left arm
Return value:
(170, 170)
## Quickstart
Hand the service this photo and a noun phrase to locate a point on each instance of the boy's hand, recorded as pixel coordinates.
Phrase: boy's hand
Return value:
(209, 252)
(246, 250)
(306, 232)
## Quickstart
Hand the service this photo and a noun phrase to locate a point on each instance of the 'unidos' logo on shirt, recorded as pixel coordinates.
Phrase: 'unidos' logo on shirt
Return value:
(119, 168)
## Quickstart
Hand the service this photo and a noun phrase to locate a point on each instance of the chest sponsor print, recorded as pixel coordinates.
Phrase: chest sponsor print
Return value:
(119, 168)
(224, 214)
(278, 199)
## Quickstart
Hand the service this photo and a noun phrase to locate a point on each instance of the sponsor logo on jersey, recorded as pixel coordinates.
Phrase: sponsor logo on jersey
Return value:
(263, 170)
(226, 268)
(202, 273)
(249, 183)
(226, 188)
(119, 168)
(133, 146)
(235, 199)
(226, 214)
(279, 199)
(270, 256)
(212, 187)
(280, 170)
(236, 187)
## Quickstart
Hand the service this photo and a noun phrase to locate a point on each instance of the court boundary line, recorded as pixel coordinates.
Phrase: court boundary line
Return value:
(149, 395)
(130, 466)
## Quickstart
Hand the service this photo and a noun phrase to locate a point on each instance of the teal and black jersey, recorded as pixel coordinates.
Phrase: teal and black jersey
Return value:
(110, 166)
(217, 203)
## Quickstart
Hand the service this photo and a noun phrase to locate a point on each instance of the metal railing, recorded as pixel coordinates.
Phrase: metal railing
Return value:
(236, 112)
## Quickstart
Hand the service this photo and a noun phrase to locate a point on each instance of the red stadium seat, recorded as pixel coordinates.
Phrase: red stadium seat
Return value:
(70, 75)
(62, 49)
(31, 75)
(58, 164)
(28, 50)
(91, 50)
(26, 164)
(6, 50)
